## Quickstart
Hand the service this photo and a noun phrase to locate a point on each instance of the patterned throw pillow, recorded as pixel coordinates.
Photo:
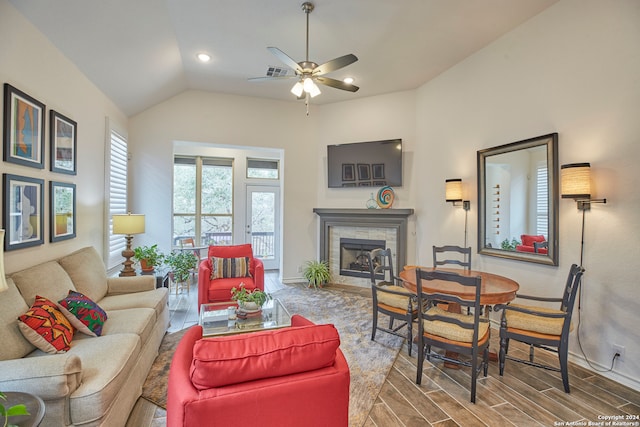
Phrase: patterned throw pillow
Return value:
(84, 314)
(229, 267)
(46, 327)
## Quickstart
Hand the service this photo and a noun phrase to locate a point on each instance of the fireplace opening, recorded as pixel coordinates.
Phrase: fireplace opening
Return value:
(353, 256)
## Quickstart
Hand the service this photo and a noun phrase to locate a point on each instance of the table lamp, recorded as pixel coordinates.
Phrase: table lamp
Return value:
(3, 280)
(128, 225)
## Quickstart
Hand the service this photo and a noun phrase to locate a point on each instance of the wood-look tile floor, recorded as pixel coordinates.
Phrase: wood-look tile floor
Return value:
(524, 396)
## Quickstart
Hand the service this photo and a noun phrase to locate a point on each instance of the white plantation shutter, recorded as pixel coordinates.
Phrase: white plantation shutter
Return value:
(542, 201)
(117, 193)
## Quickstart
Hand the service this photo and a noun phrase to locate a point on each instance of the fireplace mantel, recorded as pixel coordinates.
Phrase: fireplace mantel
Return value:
(366, 218)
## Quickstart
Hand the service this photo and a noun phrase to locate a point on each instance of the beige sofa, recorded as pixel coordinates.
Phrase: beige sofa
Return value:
(96, 382)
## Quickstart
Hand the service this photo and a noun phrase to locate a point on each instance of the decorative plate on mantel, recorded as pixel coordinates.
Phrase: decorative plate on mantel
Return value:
(385, 197)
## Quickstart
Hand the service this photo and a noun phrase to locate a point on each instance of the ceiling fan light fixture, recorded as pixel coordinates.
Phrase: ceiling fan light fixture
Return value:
(308, 84)
(315, 90)
(297, 89)
(348, 80)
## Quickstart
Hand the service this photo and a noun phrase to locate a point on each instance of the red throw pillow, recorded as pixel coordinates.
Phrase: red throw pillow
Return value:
(46, 327)
(528, 239)
(240, 358)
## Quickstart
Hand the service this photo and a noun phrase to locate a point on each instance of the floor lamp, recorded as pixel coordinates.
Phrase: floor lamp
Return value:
(128, 225)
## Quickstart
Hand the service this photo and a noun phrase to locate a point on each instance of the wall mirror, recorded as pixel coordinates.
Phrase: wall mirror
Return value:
(518, 200)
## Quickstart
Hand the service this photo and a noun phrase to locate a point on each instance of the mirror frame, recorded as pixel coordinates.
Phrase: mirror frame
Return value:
(550, 141)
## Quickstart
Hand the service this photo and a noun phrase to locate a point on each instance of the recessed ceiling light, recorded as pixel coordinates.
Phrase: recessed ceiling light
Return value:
(348, 80)
(203, 57)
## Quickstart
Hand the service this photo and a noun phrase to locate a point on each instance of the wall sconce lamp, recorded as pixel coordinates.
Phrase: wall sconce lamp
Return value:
(3, 280)
(453, 194)
(575, 179)
(128, 225)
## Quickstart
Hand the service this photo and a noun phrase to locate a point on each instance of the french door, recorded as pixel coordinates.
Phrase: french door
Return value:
(263, 224)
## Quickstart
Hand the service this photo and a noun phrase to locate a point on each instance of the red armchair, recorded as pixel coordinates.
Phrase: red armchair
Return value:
(528, 241)
(293, 376)
(219, 289)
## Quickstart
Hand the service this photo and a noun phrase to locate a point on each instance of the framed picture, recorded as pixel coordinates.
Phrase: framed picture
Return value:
(23, 128)
(22, 205)
(348, 172)
(377, 170)
(62, 211)
(364, 172)
(63, 138)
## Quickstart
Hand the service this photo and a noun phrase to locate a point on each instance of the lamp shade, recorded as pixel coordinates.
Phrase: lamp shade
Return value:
(575, 180)
(297, 89)
(128, 224)
(3, 280)
(453, 190)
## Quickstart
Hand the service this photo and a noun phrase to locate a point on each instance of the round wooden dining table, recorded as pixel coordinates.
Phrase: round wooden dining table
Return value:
(495, 289)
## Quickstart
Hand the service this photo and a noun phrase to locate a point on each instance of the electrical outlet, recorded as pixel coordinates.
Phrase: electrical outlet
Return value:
(618, 349)
(299, 269)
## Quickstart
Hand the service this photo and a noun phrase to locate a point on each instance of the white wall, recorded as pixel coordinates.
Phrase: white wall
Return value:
(574, 70)
(29, 62)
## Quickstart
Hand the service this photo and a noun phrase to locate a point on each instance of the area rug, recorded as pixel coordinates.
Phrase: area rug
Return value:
(369, 361)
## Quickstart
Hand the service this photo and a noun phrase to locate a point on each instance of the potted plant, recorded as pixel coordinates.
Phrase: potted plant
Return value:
(249, 300)
(182, 264)
(11, 411)
(317, 273)
(149, 257)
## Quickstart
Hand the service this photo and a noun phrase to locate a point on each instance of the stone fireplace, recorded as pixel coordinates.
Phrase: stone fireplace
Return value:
(379, 227)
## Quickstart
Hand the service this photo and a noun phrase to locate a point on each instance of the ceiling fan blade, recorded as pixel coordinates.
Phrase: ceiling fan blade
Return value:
(335, 64)
(271, 78)
(327, 81)
(286, 59)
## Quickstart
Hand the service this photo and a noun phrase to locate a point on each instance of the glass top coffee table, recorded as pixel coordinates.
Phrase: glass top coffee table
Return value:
(220, 318)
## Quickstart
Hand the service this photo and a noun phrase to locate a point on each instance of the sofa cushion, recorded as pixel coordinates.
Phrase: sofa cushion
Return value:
(46, 327)
(87, 271)
(139, 321)
(239, 358)
(84, 314)
(156, 299)
(47, 279)
(107, 364)
(229, 267)
(14, 344)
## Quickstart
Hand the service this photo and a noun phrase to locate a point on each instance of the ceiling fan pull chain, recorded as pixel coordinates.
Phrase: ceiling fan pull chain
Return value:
(306, 102)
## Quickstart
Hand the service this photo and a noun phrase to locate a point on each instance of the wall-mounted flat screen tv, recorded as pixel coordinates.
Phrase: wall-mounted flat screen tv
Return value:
(365, 164)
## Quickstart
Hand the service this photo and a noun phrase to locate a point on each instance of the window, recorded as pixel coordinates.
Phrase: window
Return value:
(117, 191)
(203, 200)
(262, 168)
(542, 200)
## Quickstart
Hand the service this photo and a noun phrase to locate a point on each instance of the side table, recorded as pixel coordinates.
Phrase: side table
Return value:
(35, 407)
(162, 276)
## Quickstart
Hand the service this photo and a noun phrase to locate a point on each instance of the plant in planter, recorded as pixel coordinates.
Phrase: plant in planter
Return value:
(182, 264)
(249, 300)
(149, 257)
(11, 411)
(317, 273)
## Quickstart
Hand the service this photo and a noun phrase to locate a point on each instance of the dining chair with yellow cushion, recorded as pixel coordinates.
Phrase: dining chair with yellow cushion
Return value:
(390, 297)
(454, 332)
(541, 327)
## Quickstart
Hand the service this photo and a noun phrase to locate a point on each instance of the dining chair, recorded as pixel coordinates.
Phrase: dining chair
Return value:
(189, 242)
(541, 327)
(453, 332)
(540, 245)
(390, 297)
(449, 250)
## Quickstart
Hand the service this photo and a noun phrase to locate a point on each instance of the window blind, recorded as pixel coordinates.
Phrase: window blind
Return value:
(117, 188)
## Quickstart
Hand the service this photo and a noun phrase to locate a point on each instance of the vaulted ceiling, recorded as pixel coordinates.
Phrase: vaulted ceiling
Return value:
(142, 52)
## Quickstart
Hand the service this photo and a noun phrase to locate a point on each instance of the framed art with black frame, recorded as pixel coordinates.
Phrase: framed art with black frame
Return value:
(62, 211)
(64, 142)
(364, 172)
(22, 205)
(348, 172)
(23, 128)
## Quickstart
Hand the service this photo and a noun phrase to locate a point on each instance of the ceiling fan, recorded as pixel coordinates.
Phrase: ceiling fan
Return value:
(309, 73)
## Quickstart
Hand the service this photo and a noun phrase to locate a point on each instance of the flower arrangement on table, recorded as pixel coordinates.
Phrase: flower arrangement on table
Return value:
(249, 301)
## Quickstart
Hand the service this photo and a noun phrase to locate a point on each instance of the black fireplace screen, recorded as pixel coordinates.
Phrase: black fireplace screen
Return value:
(353, 256)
